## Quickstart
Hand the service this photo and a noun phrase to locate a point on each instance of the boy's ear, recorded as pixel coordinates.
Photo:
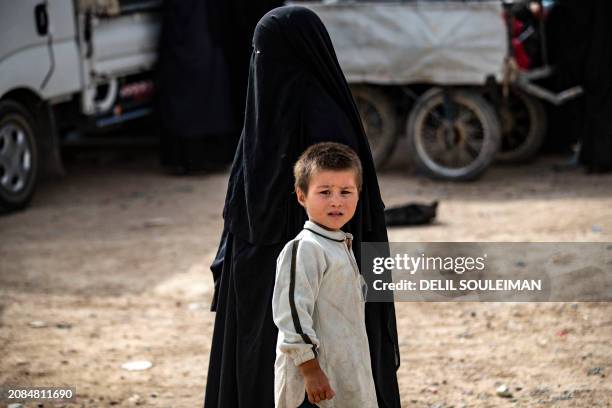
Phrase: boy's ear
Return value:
(301, 197)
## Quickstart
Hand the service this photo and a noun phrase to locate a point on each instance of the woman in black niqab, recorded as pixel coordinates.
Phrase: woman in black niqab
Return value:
(297, 96)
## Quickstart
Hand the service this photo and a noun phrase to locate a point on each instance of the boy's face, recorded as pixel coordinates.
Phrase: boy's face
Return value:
(331, 198)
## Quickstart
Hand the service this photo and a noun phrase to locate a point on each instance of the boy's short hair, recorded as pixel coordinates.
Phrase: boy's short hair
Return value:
(326, 156)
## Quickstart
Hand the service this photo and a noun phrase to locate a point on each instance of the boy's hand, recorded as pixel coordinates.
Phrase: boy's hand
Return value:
(316, 382)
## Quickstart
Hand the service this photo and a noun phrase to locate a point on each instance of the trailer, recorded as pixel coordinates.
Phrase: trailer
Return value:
(444, 74)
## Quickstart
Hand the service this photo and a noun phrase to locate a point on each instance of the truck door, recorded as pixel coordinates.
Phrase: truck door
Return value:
(25, 60)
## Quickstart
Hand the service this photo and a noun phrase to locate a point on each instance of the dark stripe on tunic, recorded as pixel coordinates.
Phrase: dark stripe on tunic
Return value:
(294, 313)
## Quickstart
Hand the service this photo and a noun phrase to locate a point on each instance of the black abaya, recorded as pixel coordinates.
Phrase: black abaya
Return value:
(581, 49)
(297, 96)
(197, 118)
(596, 149)
(241, 365)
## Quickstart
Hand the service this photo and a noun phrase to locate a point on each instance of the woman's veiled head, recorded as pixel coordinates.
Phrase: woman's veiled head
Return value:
(292, 41)
(293, 34)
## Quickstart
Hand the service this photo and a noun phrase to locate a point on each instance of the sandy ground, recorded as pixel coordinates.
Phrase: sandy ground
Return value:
(112, 261)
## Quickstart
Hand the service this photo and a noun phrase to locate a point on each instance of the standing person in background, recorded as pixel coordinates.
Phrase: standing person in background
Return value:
(198, 122)
(231, 24)
(580, 43)
(596, 148)
(297, 96)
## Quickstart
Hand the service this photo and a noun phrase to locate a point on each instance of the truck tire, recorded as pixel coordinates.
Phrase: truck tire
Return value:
(523, 124)
(19, 157)
(379, 121)
(460, 148)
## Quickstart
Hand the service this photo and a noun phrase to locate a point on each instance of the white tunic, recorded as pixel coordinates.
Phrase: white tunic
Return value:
(320, 311)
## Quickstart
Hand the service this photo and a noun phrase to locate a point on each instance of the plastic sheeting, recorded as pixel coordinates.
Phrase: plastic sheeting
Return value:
(419, 42)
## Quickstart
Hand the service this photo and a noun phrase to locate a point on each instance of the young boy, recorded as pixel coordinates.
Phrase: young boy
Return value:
(318, 305)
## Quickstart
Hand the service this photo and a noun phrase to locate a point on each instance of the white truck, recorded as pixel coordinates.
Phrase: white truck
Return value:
(68, 64)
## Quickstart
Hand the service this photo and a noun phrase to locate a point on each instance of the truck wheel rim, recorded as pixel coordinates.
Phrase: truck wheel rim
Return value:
(15, 158)
(450, 148)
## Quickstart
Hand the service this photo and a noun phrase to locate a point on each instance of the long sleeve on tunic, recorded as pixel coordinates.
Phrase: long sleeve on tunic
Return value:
(294, 297)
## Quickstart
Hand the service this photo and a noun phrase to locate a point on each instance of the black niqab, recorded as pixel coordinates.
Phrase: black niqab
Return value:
(286, 64)
(297, 96)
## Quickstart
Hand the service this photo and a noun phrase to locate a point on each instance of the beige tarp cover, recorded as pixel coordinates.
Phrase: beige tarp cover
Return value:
(417, 42)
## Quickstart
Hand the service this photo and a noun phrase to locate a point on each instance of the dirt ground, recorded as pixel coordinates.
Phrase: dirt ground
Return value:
(110, 265)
